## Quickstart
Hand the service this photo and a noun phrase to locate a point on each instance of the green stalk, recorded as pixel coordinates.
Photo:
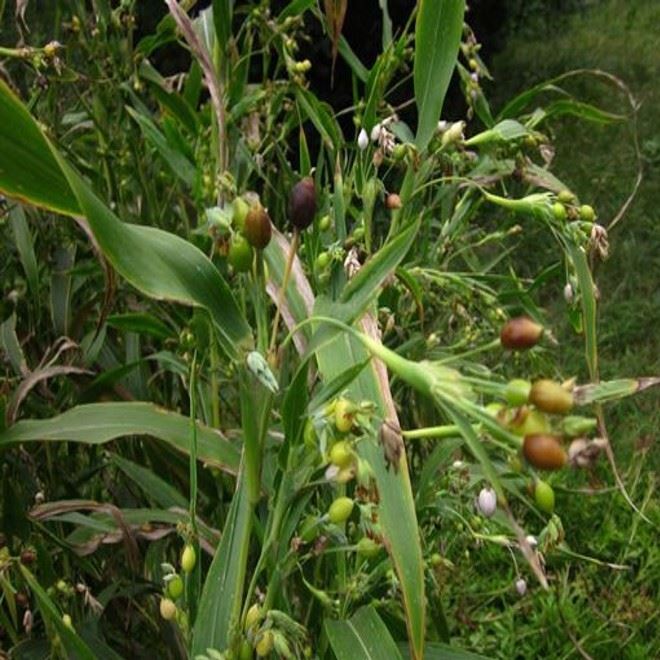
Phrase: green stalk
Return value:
(215, 388)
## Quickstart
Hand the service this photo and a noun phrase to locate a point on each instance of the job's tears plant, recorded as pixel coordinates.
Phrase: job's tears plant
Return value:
(290, 489)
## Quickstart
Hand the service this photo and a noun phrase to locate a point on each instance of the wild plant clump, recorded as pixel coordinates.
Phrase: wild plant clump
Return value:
(281, 375)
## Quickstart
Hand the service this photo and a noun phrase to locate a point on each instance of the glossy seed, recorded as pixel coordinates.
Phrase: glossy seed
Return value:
(520, 333)
(551, 397)
(302, 203)
(544, 452)
(257, 227)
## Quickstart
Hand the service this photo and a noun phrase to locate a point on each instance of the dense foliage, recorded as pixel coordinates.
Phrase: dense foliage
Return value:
(289, 385)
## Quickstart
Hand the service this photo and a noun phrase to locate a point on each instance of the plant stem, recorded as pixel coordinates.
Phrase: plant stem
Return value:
(285, 282)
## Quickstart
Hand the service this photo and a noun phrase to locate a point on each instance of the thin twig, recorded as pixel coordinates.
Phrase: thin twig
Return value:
(214, 84)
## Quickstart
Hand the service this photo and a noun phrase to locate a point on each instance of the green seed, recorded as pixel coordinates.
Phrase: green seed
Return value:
(587, 213)
(322, 261)
(188, 559)
(367, 547)
(559, 211)
(340, 510)
(240, 255)
(175, 587)
(517, 391)
(544, 496)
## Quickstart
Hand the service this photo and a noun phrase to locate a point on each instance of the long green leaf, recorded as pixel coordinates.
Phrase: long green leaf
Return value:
(74, 645)
(362, 637)
(28, 169)
(25, 247)
(437, 37)
(586, 284)
(161, 265)
(223, 586)
(97, 423)
(397, 509)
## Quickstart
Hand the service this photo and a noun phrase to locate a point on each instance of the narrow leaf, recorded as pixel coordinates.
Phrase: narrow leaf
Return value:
(362, 637)
(97, 423)
(437, 37)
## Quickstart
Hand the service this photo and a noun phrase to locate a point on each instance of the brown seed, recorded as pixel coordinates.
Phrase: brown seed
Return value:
(551, 397)
(393, 202)
(28, 557)
(302, 203)
(257, 227)
(544, 452)
(520, 333)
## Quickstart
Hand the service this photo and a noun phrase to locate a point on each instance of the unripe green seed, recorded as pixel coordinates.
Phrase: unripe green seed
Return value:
(340, 510)
(544, 496)
(241, 209)
(66, 620)
(265, 644)
(551, 397)
(341, 454)
(565, 196)
(559, 211)
(240, 255)
(367, 547)
(344, 415)
(517, 391)
(309, 529)
(253, 616)
(323, 260)
(167, 609)
(399, 152)
(175, 587)
(325, 223)
(530, 422)
(587, 213)
(188, 559)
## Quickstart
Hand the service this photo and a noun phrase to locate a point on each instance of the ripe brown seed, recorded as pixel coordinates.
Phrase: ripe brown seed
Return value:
(551, 397)
(28, 557)
(544, 452)
(302, 203)
(520, 333)
(393, 201)
(257, 227)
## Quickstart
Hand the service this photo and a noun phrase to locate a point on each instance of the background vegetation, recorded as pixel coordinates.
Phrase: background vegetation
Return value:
(591, 609)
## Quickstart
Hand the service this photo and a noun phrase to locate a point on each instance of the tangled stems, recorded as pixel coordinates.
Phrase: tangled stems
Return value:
(445, 386)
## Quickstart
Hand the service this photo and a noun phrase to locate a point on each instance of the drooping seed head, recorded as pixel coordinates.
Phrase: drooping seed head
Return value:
(302, 203)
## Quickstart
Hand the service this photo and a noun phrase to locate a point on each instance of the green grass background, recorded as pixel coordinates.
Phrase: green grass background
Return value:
(592, 609)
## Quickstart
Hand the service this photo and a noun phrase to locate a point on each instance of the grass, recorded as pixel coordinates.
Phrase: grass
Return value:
(593, 610)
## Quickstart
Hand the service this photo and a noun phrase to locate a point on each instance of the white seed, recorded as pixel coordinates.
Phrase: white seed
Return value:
(487, 502)
(375, 133)
(531, 540)
(363, 140)
(521, 586)
(568, 293)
